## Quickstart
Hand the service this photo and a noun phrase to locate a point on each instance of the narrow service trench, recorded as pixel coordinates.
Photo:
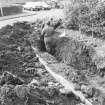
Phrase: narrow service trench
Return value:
(67, 84)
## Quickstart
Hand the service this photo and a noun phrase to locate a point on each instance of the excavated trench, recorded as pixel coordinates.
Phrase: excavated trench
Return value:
(76, 63)
(40, 86)
(88, 93)
(53, 67)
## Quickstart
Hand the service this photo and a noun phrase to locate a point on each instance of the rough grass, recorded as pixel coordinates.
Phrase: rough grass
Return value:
(74, 53)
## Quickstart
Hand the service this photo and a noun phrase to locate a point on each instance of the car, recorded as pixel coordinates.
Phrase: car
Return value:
(45, 6)
(33, 6)
(59, 6)
(28, 6)
(36, 6)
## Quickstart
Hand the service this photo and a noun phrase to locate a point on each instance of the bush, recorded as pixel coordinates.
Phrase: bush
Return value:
(94, 24)
(74, 53)
(88, 17)
(73, 15)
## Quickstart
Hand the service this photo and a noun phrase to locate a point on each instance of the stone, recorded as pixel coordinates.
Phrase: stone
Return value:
(88, 90)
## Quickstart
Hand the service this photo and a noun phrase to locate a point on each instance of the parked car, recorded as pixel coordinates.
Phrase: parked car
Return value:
(36, 6)
(28, 6)
(45, 6)
(33, 6)
(60, 6)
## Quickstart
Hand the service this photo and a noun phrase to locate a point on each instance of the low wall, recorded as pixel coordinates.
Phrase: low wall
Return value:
(0, 13)
(12, 10)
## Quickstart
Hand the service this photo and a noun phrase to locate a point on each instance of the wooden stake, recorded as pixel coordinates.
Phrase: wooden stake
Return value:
(1, 11)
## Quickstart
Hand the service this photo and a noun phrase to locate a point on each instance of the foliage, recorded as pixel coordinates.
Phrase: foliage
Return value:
(87, 16)
(73, 15)
(74, 53)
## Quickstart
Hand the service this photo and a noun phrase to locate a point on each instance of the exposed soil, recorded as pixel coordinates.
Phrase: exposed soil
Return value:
(84, 58)
(18, 58)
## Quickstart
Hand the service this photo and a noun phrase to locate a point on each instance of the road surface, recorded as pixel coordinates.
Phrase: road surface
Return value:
(56, 13)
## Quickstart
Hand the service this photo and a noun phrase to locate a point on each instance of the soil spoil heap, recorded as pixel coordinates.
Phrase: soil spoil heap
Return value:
(24, 80)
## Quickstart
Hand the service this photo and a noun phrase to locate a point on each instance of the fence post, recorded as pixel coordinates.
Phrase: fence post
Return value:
(92, 30)
(1, 11)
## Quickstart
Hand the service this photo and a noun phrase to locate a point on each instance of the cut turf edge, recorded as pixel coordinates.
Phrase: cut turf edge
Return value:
(67, 84)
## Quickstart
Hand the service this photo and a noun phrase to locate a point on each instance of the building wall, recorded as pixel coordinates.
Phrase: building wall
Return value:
(12, 10)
